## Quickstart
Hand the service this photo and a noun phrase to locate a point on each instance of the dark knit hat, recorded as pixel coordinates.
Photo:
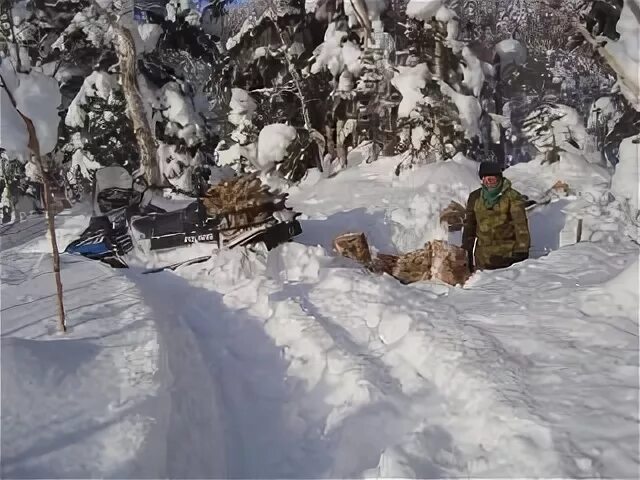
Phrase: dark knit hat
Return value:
(488, 169)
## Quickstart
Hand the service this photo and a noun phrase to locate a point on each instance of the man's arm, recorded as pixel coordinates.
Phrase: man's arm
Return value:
(521, 226)
(469, 229)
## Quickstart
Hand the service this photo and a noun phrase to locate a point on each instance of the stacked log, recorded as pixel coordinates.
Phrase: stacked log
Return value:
(243, 201)
(438, 260)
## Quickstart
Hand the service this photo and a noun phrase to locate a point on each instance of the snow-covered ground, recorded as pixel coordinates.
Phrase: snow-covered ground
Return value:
(295, 363)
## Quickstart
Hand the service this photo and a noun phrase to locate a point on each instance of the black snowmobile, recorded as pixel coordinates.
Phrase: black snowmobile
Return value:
(126, 216)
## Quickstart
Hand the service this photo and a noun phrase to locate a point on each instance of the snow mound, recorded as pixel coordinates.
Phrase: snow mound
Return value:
(410, 81)
(533, 178)
(626, 179)
(423, 9)
(618, 296)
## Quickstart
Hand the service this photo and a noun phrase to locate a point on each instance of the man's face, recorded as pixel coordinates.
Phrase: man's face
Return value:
(490, 181)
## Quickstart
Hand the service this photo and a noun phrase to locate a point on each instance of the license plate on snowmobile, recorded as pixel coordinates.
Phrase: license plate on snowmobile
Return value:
(181, 238)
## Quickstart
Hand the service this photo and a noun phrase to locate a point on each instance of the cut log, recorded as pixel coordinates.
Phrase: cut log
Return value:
(353, 246)
(438, 260)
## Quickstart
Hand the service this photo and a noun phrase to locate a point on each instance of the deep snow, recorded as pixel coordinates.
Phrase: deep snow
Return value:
(295, 363)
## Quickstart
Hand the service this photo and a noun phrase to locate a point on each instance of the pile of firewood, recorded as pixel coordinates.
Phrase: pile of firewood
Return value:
(437, 260)
(243, 201)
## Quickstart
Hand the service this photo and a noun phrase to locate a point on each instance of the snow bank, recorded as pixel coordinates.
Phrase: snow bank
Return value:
(273, 143)
(436, 185)
(410, 81)
(626, 179)
(533, 178)
(618, 296)
(423, 9)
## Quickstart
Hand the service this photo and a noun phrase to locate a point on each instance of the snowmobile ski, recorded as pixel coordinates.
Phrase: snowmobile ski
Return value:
(174, 266)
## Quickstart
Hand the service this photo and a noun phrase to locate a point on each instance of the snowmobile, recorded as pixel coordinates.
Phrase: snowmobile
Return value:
(127, 215)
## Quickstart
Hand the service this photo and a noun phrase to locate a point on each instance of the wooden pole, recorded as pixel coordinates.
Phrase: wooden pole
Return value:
(34, 145)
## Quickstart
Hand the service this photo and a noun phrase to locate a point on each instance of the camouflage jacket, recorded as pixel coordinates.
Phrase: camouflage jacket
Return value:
(502, 232)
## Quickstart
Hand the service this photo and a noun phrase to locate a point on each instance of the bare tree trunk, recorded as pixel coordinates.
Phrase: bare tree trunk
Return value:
(126, 51)
(128, 73)
(34, 145)
(54, 247)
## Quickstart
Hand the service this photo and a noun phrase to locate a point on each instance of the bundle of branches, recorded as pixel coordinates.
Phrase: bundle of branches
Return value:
(243, 201)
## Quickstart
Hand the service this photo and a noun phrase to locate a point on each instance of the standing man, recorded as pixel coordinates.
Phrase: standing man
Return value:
(497, 219)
